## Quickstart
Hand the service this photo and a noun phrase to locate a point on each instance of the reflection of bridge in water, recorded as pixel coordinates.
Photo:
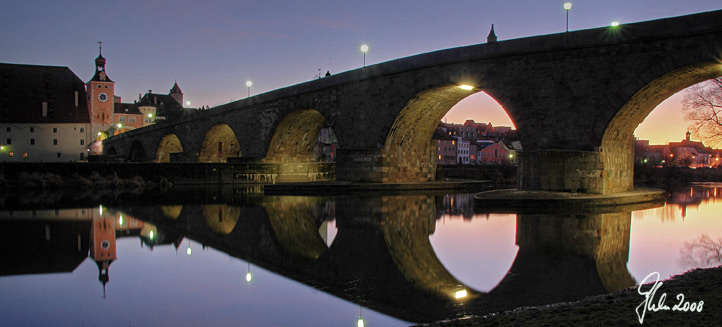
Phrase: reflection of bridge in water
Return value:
(382, 258)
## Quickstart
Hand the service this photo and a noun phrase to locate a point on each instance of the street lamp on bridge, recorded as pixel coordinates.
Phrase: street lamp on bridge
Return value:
(249, 84)
(567, 7)
(364, 49)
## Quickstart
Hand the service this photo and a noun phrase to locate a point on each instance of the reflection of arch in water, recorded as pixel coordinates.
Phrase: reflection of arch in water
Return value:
(574, 255)
(221, 218)
(171, 211)
(294, 222)
(407, 224)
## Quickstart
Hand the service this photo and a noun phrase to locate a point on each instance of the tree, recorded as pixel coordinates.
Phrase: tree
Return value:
(702, 105)
(701, 253)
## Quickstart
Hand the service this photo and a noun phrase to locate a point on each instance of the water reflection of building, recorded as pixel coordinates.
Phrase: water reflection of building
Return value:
(682, 200)
(457, 205)
(59, 240)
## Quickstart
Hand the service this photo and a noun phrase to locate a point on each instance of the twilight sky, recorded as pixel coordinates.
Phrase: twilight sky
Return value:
(212, 47)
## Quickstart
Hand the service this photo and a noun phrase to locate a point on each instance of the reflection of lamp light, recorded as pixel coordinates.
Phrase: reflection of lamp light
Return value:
(466, 87)
(461, 294)
(189, 251)
(249, 276)
(360, 322)
(100, 210)
(120, 221)
(151, 235)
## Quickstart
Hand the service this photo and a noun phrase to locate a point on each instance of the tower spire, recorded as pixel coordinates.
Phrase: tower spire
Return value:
(491, 38)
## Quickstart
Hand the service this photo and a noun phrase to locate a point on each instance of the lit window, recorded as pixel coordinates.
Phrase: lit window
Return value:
(25, 155)
(11, 154)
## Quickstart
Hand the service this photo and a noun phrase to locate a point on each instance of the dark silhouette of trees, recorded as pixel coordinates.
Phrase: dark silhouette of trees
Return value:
(702, 105)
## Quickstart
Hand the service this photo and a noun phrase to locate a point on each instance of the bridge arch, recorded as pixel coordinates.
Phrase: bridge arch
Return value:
(221, 218)
(618, 139)
(168, 145)
(219, 143)
(295, 136)
(137, 152)
(409, 153)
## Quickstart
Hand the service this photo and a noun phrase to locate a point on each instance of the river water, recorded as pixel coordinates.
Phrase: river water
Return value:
(234, 257)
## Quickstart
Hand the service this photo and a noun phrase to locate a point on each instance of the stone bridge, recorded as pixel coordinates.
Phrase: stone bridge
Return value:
(576, 99)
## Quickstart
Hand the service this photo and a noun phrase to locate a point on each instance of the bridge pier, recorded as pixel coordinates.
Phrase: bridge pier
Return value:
(593, 172)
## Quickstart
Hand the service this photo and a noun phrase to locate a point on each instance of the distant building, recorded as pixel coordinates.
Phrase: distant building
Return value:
(493, 153)
(445, 147)
(688, 153)
(43, 114)
(462, 150)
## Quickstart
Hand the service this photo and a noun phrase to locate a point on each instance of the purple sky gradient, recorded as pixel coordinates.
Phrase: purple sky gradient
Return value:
(212, 47)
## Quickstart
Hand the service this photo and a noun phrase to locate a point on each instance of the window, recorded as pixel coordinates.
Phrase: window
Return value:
(32, 129)
(32, 141)
(55, 141)
(11, 154)
(82, 130)
(131, 119)
(58, 154)
(10, 141)
(121, 119)
(82, 142)
(82, 156)
(8, 129)
(55, 129)
(25, 155)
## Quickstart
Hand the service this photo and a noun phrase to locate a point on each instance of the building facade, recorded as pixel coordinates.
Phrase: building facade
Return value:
(43, 114)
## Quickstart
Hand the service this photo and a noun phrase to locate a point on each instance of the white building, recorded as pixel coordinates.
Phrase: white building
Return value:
(43, 114)
(462, 150)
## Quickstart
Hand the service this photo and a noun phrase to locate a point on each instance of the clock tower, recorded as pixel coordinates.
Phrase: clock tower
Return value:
(101, 92)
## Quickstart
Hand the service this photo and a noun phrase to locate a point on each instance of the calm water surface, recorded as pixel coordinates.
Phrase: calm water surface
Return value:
(243, 259)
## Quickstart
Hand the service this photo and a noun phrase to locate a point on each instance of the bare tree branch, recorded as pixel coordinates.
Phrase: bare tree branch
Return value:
(702, 105)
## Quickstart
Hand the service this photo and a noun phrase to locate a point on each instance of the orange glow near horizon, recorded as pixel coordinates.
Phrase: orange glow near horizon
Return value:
(480, 107)
(665, 123)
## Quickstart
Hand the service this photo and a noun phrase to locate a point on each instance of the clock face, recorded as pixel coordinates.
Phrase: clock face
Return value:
(103, 97)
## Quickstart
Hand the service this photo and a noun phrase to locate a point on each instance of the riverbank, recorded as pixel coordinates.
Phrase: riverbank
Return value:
(619, 308)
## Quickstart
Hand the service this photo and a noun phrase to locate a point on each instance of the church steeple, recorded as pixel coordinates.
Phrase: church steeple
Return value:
(100, 73)
(491, 38)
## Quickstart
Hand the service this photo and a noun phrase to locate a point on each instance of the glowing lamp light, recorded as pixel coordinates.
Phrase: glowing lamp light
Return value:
(151, 235)
(119, 125)
(100, 210)
(100, 133)
(615, 23)
(249, 83)
(466, 87)
(120, 220)
(2, 148)
(567, 6)
(188, 103)
(461, 294)
(150, 115)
